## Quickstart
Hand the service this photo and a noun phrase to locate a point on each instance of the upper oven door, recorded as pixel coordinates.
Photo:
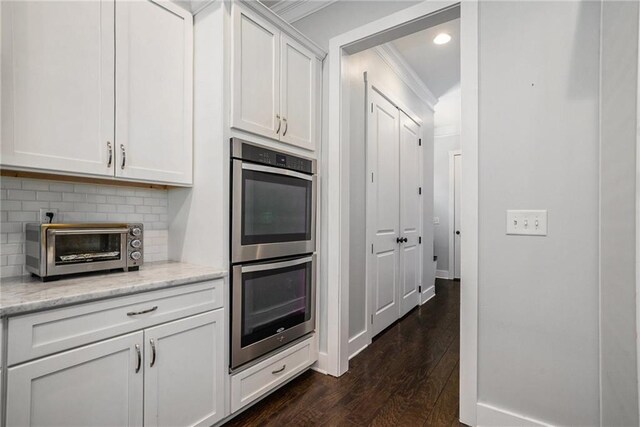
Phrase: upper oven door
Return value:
(78, 250)
(273, 212)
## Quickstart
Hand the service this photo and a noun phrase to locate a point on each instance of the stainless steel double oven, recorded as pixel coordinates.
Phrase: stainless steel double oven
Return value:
(273, 217)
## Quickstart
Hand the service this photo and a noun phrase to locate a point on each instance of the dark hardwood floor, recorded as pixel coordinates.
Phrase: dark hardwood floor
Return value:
(408, 376)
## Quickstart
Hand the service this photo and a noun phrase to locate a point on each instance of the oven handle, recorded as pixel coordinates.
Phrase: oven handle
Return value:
(88, 231)
(278, 171)
(275, 265)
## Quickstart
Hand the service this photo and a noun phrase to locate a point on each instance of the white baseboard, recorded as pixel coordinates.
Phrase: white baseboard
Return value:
(428, 294)
(442, 274)
(358, 343)
(491, 416)
(321, 363)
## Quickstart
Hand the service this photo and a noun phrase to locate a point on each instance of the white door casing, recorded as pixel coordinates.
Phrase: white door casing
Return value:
(457, 234)
(92, 385)
(382, 207)
(410, 214)
(58, 85)
(184, 383)
(298, 94)
(255, 75)
(154, 87)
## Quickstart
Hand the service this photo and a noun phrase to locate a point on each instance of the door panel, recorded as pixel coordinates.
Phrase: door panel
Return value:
(456, 214)
(255, 75)
(184, 383)
(93, 385)
(383, 199)
(410, 213)
(298, 94)
(57, 85)
(154, 92)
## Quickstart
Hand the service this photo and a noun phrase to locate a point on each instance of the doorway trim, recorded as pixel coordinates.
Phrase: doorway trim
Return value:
(337, 194)
(452, 206)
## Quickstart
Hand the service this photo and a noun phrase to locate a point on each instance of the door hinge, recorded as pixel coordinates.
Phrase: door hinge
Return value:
(372, 319)
(419, 289)
(419, 190)
(372, 107)
(372, 248)
(371, 176)
(420, 142)
(420, 240)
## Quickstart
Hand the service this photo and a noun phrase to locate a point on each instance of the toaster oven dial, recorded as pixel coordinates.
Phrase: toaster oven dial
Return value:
(136, 243)
(136, 255)
(136, 231)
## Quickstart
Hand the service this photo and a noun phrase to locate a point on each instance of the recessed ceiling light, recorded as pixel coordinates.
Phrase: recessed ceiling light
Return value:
(442, 38)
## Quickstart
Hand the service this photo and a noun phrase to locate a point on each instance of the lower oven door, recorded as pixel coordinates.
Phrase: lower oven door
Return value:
(81, 250)
(272, 304)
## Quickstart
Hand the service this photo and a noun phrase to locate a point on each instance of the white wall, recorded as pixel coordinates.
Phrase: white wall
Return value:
(379, 72)
(538, 149)
(446, 139)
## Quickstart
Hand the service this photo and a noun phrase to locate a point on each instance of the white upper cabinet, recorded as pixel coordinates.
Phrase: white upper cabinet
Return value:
(274, 79)
(58, 86)
(255, 75)
(101, 88)
(298, 94)
(154, 62)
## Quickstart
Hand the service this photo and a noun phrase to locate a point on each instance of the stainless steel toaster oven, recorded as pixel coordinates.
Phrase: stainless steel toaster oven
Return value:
(53, 250)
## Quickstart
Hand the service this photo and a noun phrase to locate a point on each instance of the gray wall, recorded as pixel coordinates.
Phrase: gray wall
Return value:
(539, 149)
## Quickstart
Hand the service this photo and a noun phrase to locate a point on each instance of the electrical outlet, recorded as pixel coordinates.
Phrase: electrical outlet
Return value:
(527, 223)
(44, 219)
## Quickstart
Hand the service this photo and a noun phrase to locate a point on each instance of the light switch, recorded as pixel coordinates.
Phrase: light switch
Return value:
(527, 223)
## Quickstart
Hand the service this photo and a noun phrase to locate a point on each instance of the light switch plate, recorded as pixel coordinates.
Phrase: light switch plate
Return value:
(527, 223)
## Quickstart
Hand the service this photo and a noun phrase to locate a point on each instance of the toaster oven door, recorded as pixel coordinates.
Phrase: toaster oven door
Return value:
(81, 250)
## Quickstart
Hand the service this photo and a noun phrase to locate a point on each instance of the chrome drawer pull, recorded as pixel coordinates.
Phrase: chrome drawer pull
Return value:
(139, 358)
(277, 371)
(153, 353)
(136, 313)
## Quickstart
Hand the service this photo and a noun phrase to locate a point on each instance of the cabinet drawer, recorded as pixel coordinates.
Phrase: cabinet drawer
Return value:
(250, 384)
(38, 334)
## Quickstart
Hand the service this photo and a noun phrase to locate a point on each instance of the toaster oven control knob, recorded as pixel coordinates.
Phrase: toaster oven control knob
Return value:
(136, 243)
(136, 231)
(136, 255)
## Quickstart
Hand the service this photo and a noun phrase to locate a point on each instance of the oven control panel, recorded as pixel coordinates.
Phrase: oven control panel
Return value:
(269, 157)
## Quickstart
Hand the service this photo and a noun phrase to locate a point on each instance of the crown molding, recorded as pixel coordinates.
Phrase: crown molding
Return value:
(394, 59)
(294, 10)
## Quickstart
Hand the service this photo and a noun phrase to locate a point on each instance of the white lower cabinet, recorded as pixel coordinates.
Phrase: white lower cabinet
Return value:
(100, 384)
(184, 372)
(168, 374)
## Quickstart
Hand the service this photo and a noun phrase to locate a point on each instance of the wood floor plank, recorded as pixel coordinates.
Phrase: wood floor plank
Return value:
(408, 376)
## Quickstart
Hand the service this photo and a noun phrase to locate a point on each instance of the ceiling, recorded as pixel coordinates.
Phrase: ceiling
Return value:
(437, 65)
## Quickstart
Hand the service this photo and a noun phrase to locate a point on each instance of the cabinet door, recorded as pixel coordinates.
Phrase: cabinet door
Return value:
(410, 213)
(154, 63)
(298, 94)
(255, 75)
(184, 371)
(94, 385)
(57, 85)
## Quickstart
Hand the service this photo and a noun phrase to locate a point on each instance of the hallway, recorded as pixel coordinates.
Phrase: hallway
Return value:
(408, 376)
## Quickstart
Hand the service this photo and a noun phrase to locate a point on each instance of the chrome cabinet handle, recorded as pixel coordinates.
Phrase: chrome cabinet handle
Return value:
(124, 156)
(137, 313)
(279, 123)
(286, 126)
(110, 154)
(139, 358)
(277, 371)
(153, 353)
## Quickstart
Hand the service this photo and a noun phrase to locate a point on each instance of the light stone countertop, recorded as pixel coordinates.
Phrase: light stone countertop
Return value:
(25, 293)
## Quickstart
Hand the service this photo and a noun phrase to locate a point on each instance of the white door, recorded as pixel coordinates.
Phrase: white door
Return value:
(255, 75)
(96, 385)
(410, 214)
(184, 372)
(154, 92)
(456, 215)
(57, 85)
(383, 205)
(297, 94)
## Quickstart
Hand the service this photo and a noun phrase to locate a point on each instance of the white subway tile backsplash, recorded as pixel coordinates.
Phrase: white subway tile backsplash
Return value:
(22, 198)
